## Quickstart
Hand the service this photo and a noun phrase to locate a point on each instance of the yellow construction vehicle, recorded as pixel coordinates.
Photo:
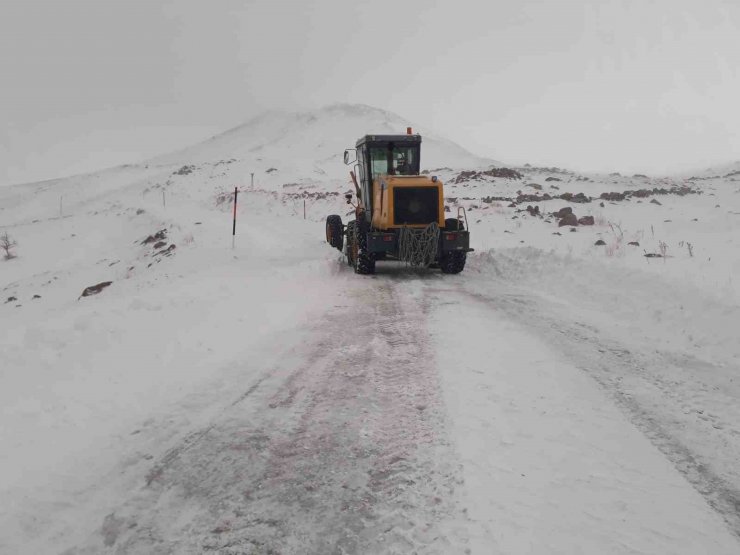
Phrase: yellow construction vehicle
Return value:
(399, 214)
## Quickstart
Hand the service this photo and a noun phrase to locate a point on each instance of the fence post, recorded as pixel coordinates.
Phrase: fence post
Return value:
(233, 229)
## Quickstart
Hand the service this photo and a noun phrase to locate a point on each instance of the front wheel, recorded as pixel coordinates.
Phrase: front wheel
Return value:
(335, 231)
(350, 250)
(362, 260)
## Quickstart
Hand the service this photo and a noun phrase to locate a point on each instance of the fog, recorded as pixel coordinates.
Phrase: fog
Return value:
(590, 85)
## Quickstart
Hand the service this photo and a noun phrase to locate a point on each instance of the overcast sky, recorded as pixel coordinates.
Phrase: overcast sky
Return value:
(647, 86)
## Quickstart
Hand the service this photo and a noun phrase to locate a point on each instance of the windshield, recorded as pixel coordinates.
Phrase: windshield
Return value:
(403, 160)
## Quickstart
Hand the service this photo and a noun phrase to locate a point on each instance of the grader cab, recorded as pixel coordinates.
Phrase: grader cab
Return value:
(399, 214)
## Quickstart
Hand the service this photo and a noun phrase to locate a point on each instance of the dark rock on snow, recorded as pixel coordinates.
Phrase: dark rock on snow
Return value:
(161, 235)
(95, 289)
(563, 212)
(568, 219)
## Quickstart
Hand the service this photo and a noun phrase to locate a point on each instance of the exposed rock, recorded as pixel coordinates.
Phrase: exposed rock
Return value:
(568, 219)
(506, 173)
(600, 243)
(634, 243)
(489, 200)
(563, 212)
(11, 299)
(586, 220)
(161, 235)
(36, 297)
(535, 186)
(528, 198)
(656, 201)
(95, 289)
(466, 176)
(159, 244)
(185, 170)
(613, 196)
(314, 195)
(167, 251)
(579, 198)
(533, 210)
(472, 175)
(553, 179)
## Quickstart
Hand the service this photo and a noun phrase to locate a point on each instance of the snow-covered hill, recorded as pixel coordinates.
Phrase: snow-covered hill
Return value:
(558, 396)
(312, 143)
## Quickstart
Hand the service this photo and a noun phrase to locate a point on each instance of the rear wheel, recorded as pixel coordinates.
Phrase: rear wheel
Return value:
(335, 231)
(453, 262)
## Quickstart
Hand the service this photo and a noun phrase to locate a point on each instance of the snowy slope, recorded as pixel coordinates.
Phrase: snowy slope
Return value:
(556, 397)
(312, 143)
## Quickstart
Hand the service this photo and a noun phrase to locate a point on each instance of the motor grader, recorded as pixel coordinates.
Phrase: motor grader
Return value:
(399, 213)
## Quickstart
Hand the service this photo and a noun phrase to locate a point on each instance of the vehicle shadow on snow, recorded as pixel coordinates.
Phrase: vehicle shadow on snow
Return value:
(398, 271)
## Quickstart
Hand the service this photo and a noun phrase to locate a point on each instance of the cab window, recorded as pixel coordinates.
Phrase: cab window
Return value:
(378, 161)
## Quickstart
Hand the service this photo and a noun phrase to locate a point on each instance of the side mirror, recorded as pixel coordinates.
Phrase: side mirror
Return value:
(348, 157)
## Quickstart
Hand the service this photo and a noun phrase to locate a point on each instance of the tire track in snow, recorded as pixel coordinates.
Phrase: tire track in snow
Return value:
(346, 453)
(608, 363)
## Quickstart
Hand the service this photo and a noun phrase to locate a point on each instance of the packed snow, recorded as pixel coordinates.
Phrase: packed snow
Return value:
(251, 394)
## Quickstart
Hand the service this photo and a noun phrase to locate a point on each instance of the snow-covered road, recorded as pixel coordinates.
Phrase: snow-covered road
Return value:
(552, 464)
(419, 413)
(262, 398)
